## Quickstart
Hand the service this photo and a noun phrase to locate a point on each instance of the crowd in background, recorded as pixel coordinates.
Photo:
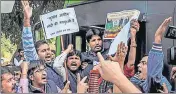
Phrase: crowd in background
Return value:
(37, 70)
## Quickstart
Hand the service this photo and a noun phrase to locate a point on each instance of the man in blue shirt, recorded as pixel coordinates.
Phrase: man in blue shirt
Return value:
(151, 66)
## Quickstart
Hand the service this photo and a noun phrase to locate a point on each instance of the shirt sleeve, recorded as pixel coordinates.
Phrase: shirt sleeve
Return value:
(59, 65)
(24, 86)
(129, 72)
(20, 62)
(16, 62)
(155, 65)
(28, 44)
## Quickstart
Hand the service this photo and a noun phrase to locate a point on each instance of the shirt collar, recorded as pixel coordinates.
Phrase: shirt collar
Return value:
(95, 54)
(33, 88)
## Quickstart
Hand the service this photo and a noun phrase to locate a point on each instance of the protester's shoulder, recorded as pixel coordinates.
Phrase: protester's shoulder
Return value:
(51, 82)
(84, 53)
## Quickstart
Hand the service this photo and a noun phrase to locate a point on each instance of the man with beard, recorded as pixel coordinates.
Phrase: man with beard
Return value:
(19, 58)
(150, 67)
(8, 83)
(39, 51)
(95, 40)
(72, 68)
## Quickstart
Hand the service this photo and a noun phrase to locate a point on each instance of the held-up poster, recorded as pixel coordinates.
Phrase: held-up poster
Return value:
(117, 27)
(59, 22)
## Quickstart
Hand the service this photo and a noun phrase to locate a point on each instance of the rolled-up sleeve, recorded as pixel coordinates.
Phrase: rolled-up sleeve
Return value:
(129, 72)
(59, 65)
(24, 86)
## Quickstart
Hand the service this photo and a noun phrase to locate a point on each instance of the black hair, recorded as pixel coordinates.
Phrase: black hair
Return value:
(145, 55)
(93, 31)
(74, 52)
(53, 51)
(19, 50)
(33, 65)
(39, 43)
(4, 70)
(155, 86)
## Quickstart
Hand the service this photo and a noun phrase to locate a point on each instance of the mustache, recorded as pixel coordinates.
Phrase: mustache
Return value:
(73, 64)
(97, 46)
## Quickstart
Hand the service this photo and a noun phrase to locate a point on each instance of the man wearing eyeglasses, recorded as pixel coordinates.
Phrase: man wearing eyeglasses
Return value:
(38, 82)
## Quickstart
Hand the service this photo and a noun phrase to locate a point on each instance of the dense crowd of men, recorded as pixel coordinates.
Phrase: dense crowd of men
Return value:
(37, 70)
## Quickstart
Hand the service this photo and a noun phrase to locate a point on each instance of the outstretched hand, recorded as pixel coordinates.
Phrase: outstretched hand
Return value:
(67, 88)
(69, 48)
(173, 73)
(165, 90)
(120, 54)
(162, 28)
(27, 9)
(81, 85)
(109, 70)
(134, 27)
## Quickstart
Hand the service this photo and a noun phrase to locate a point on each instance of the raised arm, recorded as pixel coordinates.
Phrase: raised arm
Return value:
(112, 72)
(156, 56)
(129, 67)
(59, 62)
(27, 37)
(132, 54)
(24, 80)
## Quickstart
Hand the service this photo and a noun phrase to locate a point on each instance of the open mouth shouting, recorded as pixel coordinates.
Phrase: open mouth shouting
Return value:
(48, 58)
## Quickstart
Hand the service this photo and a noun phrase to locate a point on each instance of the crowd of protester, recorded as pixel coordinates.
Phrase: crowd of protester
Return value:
(37, 70)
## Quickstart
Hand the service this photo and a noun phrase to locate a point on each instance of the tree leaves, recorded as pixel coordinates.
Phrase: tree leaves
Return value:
(12, 23)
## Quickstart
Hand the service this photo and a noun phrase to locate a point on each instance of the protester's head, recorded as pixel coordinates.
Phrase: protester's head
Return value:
(7, 81)
(74, 60)
(37, 73)
(16, 71)
(43, 50)
(17, 75)
(142, 68)
(53, 53)
(21, 52)
(95, 39)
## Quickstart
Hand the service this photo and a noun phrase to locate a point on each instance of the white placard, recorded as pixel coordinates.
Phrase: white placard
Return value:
(60, 22)
(124, 34)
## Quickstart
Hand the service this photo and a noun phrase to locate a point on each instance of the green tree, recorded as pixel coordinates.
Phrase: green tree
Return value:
(7, 48)
(12, 23)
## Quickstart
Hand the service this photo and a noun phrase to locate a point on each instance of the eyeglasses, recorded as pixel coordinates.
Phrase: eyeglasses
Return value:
(40, 70)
